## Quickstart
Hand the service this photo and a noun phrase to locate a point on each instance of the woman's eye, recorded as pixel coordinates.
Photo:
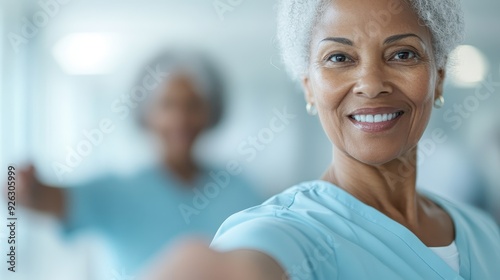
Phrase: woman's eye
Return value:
(338, 58)
(405, 55)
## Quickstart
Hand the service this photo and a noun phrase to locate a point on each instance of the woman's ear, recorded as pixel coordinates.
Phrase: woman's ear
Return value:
(440, 83)
(308, 93)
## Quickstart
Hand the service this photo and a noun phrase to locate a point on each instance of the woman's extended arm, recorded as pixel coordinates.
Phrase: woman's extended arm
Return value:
(195, 260)
(35, 195)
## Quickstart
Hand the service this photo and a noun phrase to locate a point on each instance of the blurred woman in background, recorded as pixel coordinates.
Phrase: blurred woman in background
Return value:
(141, 213)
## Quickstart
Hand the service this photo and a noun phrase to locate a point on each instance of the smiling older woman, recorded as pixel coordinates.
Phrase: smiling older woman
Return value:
(372, 70)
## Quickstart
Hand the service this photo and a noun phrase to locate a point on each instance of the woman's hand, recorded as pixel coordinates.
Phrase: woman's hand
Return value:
(33, 194)
(194, 260)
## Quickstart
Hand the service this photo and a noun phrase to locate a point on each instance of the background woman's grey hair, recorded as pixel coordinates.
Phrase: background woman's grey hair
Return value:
(297, 18)
(199, 68)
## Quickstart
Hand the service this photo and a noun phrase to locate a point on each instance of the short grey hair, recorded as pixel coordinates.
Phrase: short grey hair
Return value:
(297, 19)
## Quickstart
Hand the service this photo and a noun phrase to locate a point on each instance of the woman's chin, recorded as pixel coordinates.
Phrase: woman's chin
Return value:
(375, 157)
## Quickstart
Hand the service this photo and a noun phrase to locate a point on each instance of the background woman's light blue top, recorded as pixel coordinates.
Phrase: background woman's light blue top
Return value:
(140, 214)
(318, 231)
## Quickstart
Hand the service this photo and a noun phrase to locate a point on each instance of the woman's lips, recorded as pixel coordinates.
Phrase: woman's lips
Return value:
(375, 119)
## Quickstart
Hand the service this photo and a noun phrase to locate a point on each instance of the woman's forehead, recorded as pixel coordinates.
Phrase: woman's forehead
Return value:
(359, 20)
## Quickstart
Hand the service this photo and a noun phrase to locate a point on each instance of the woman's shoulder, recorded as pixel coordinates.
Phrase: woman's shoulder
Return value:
(282, 227)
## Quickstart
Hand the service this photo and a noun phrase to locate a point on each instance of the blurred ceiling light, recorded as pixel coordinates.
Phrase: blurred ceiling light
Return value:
(86, 53)
(468, 66)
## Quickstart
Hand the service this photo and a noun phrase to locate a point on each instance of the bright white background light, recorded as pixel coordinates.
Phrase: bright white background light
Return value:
(86, 53)
(468, 66)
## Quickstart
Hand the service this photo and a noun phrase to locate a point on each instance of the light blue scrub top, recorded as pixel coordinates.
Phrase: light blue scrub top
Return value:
(318, 231)
(140, 214)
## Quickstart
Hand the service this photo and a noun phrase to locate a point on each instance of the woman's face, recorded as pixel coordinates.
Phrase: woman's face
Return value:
(372, 77)
(178, 114)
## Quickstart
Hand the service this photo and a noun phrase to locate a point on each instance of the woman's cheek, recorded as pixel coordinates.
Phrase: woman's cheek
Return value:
(420, 94)
(412, 83)
(328, 91)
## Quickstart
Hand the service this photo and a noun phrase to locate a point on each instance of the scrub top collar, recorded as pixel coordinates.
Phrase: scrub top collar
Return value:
(409, 238)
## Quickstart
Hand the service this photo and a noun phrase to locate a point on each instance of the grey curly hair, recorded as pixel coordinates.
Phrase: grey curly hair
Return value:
(297, 18)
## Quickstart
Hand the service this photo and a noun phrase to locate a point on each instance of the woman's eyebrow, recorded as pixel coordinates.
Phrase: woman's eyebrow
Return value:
(398, 37)
(340, 40)
(387, 41)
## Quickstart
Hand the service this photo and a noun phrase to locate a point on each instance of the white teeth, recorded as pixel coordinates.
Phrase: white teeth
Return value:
(375, 118)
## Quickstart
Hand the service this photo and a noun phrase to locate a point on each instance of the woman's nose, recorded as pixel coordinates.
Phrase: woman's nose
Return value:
(372, 82)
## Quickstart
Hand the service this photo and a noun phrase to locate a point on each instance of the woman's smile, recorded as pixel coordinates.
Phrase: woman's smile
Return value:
(374, 120)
